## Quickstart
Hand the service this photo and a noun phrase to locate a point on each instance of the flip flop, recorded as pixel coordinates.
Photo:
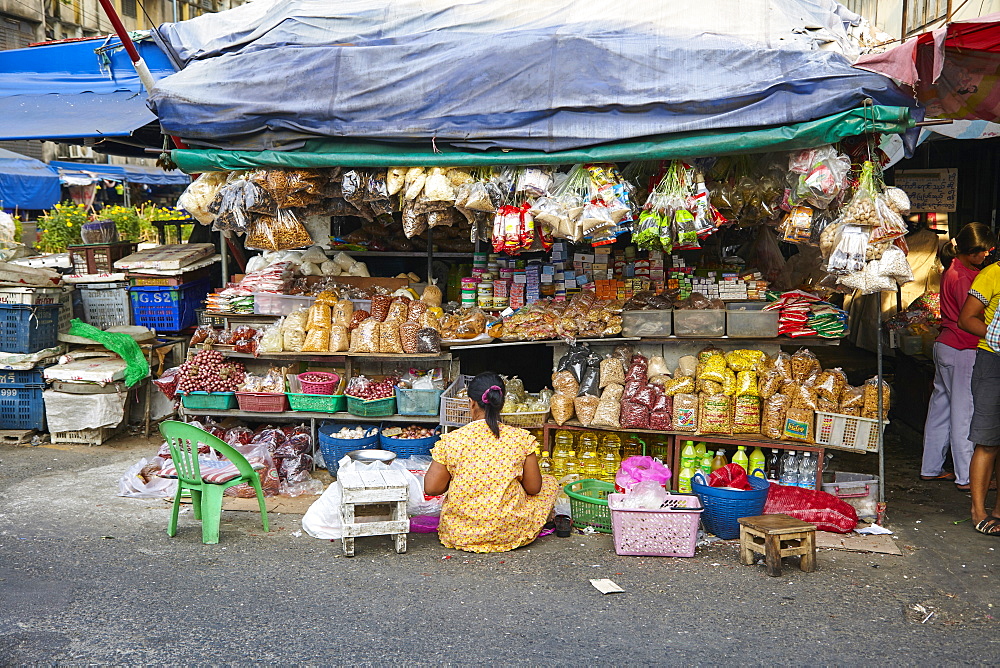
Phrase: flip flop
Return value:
(944, 475)
(989, 527)
(963, 488)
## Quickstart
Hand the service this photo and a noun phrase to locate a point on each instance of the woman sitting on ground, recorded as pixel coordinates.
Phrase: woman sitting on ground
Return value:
(497, 500)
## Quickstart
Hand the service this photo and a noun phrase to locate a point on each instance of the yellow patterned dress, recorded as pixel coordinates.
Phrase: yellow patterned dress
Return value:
(486, 509)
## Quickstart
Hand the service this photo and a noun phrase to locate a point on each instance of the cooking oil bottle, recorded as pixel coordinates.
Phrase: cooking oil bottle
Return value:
(632, 447)
(560, 452)
(720, 460)
(572, 465)
(590, 464)
(611, 458)
(545, 464)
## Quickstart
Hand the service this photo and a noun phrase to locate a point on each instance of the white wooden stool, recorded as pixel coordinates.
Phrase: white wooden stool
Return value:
(367, 488)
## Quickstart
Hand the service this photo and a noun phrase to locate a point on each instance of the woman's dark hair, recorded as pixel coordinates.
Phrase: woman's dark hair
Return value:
(487, 390)
(971, 239)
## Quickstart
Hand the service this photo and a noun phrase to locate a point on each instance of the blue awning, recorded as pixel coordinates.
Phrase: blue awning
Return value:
(79, 171)
(26, 183)
(75, 90)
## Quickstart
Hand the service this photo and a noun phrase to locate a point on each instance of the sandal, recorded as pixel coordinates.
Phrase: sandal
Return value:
(963, 488)
(989, 527)
(944, 475)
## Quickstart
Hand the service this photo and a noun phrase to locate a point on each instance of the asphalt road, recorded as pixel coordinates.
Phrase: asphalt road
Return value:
(88, 577)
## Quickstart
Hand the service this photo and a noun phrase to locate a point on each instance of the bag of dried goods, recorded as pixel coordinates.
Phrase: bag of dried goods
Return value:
(746, 415)
(782, 365)
(340, 340)
(804, 396)
(565, 382)
(316, 341)
(562, 407)
(586, 407)
(852, 400)
(728, 382)
(657, 367)
(408, 336)
(685, 412)
(388, 337)
(709, 387)
(715, 414)
(824, 405)
(428, 340)
(357, 318)
(679, 385)
(270, 339)
(770, 383)
(830, 384)
(365, 339)
(870, 397)
(799, 424)
(431, 296)
(633, 415)
(342, 312)
(746, 384)
(281, 232)
(318, 317)
(745, 360)
(398, 310)
(804, 364)
(712, 367)
(773, 413)
(416, 310)
(380, 306)
(612, 371)
(608, 412)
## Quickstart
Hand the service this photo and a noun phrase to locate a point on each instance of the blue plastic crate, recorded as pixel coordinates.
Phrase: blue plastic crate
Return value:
(334, 449)
(16, 378)
(28, 329)
(22, 407)
(167, 308)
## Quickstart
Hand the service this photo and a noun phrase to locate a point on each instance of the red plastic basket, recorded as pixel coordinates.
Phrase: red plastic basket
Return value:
(327, 386)
(262, 402)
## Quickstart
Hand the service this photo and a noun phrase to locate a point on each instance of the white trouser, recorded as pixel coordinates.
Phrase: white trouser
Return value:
(949, 413)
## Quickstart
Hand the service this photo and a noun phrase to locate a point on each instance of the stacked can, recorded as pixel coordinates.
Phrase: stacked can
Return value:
(469, 292)
(485, 291)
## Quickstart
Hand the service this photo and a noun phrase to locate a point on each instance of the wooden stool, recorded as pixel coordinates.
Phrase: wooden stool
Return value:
(777, 536)
(364, 489)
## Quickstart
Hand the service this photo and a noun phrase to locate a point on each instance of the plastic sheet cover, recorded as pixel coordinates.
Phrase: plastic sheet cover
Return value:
(26, 183)
(518, 74)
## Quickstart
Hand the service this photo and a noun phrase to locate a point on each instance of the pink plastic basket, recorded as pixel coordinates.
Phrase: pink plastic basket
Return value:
(327, 386)
(671, 531)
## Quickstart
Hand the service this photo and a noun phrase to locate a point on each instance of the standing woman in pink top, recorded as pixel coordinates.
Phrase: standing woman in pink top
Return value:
(950, 410)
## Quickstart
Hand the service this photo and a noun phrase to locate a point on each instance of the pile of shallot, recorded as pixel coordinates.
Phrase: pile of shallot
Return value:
(208, 371)
(362, 387)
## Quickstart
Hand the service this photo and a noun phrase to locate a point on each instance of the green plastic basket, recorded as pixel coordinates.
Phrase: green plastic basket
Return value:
(588, 503)
(213, 401)
(373, 408)
(317, 403)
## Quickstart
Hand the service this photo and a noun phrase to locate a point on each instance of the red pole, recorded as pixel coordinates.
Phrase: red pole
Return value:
(133, 53)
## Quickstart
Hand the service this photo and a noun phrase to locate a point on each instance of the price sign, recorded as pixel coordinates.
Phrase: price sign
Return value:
(930, 189)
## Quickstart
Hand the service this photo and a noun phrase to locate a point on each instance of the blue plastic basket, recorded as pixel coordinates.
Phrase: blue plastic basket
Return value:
(168, 308)
(723, 507)
(21, 407)
(409, 447)
(15, 378)
(334, 449)
(28, 329)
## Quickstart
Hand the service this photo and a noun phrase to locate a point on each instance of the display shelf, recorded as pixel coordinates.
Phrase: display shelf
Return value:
(326, 357)
(305, 415)
(415, 254)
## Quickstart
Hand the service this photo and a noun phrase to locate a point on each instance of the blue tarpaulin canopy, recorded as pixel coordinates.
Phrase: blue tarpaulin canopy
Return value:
(508, 74)
(131, 173)
(75, 90)
(26, 183)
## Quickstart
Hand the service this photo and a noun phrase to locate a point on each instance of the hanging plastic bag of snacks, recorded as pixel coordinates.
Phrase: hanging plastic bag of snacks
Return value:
(282, 232)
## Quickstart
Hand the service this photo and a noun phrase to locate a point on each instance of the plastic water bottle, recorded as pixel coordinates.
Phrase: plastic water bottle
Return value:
(758, 465)
(807, 472)
(774, 466)
(740, 458)
(789, 469)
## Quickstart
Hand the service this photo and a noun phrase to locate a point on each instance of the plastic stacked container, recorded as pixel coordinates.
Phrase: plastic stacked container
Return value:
(21, 402)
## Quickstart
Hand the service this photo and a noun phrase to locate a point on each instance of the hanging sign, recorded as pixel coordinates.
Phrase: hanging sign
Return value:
(930, 189)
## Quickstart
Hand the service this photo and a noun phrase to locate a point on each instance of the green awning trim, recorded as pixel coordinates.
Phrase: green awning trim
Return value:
(362, 153)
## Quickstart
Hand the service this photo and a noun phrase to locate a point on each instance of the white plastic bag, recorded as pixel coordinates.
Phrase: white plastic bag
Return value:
(132, 486)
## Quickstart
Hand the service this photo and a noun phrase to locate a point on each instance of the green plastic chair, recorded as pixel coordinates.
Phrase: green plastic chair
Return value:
(206, 497)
